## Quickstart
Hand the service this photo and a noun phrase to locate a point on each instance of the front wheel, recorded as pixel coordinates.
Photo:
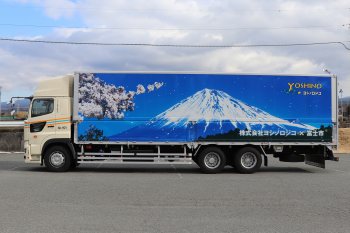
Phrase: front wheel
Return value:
(211, 160)
(57, 159)
(247, 160)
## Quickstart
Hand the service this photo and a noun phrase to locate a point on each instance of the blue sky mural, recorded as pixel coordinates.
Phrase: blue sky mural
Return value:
(269, 93)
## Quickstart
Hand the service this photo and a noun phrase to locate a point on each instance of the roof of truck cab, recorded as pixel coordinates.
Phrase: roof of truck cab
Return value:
(61, 86)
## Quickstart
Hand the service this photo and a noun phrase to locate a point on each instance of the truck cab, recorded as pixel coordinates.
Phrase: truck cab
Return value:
(49, 118)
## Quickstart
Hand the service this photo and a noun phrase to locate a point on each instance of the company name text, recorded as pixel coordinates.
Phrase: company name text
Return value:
(304, 86)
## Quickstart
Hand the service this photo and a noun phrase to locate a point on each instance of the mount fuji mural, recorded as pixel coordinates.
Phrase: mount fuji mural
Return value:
(210, 112)
(171, 107)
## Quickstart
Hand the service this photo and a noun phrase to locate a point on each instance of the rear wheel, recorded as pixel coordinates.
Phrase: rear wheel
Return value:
(57, 159)
(247, 160)
(211, 160)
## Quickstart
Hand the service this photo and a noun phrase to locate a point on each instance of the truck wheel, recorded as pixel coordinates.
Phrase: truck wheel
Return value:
(74, 165)
(247, 160)
(57, 159)
(211, 160)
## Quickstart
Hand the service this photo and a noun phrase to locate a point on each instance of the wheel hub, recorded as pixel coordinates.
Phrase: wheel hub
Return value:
(212, 160)
(249, 160)
(56, 159)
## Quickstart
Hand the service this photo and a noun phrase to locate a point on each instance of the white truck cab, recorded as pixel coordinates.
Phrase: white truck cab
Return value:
(49, 118)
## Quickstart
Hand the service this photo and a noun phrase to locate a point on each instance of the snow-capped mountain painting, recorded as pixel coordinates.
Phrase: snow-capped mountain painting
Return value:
(209, 112)
(164, 107)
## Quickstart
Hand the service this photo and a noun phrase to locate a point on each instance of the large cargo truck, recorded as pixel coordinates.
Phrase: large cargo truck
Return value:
(213, 120)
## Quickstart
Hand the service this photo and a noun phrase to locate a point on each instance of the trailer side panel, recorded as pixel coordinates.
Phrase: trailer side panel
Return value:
(159, 107)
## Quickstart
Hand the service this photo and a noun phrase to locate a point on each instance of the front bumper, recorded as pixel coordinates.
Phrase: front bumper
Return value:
(28, 157)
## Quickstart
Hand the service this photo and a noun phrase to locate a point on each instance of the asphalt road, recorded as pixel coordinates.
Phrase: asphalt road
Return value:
(285, 197)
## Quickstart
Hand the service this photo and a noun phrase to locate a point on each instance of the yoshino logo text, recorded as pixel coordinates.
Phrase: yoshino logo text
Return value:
(304, 86)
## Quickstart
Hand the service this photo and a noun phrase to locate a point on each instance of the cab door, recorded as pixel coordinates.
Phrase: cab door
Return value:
(40, 125)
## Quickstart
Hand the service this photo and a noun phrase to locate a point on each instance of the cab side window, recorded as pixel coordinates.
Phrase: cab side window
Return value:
(42, 107)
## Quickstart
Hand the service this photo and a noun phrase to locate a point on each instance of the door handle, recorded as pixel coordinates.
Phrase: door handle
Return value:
(50, 126)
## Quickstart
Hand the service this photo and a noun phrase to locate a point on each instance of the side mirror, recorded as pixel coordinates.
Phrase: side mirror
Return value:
(19, 115)
(18, 112)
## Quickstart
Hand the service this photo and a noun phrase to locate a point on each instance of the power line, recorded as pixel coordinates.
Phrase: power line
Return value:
(178, 45)
(207, 9)
(172, 29)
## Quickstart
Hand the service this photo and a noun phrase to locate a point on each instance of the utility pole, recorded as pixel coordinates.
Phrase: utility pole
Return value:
(341, 104)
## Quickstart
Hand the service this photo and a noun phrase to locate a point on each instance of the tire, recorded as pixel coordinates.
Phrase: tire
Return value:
(74, 165)
(57, 159)
(247, 160)
(211, 160)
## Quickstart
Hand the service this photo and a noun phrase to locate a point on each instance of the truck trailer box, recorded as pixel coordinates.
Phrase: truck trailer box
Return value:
(223, 108)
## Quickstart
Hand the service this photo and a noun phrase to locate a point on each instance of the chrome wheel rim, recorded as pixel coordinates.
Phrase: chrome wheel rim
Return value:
(212, 160)
(57, 159)
(249, 160)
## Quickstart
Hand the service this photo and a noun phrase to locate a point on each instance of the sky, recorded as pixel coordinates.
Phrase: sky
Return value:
(190, 22)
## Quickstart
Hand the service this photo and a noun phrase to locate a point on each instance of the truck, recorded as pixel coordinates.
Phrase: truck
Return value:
(211, 119)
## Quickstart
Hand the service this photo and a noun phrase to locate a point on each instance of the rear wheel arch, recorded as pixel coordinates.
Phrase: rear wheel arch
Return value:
(197, 152)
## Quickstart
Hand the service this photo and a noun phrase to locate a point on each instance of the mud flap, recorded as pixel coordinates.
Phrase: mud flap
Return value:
(316, 160)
